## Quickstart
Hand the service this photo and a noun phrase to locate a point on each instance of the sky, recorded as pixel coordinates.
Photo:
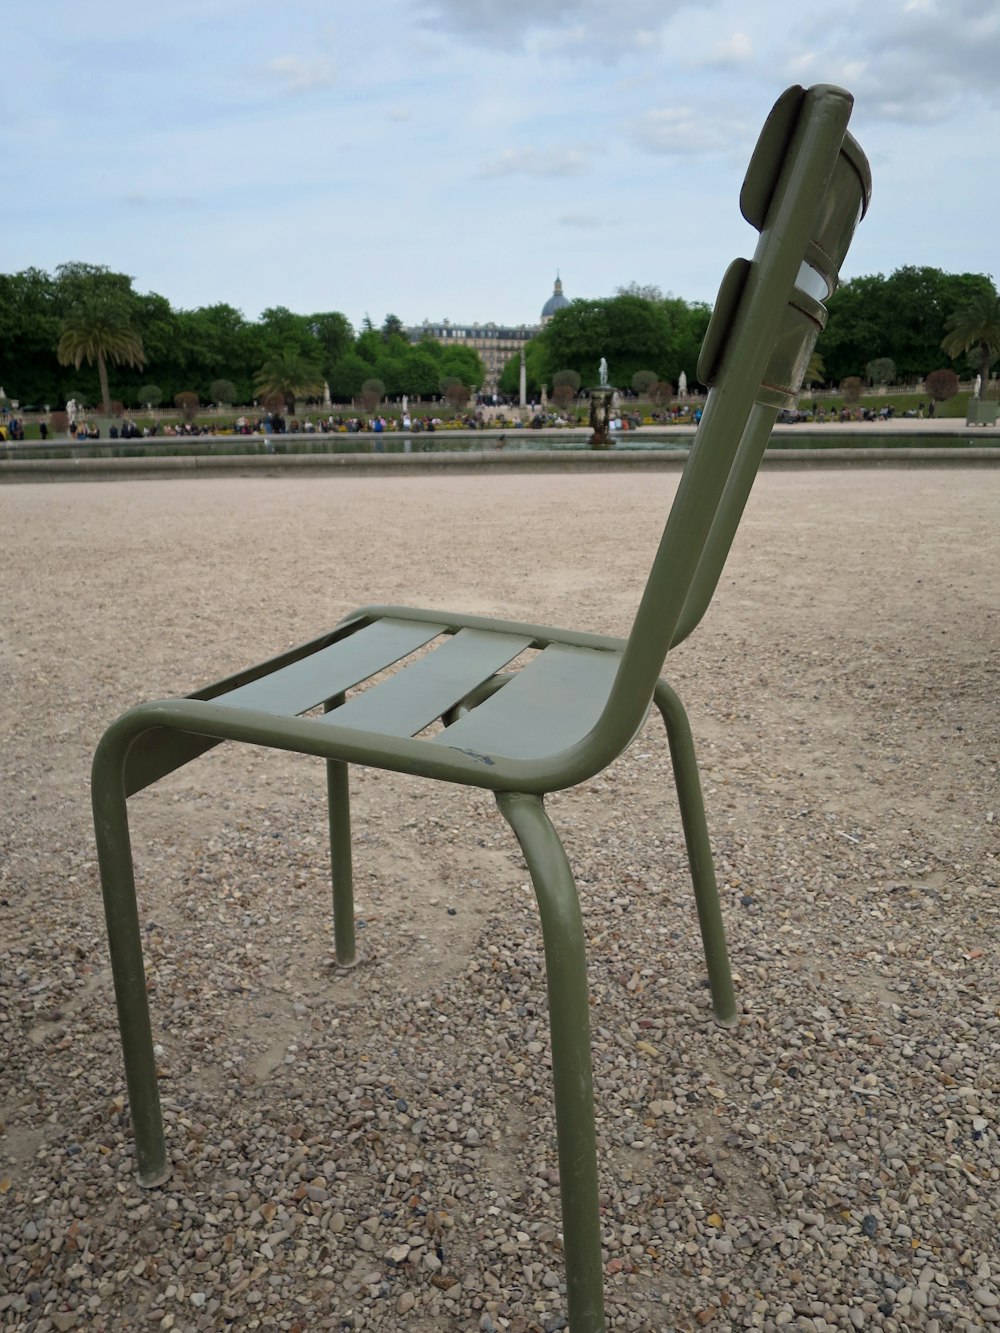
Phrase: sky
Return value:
(448, 158)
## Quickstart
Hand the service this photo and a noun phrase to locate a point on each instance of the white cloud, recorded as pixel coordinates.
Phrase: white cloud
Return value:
(682, 131)
(615, 137)
(537, 162)
(301, 76)
(648, 39)
(588, 25)
(735, 50)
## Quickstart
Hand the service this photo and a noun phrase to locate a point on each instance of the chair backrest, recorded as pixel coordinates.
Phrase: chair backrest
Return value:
(806, 189)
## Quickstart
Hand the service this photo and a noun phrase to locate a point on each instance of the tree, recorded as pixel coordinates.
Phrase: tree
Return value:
(392, 327)
(290, 374)
(29, 333)
(463, 363)
(851, 388)
(213, 342)
(348, 374)
(882, 370)
(281, 328)
(456, 393)
(335, 336)
(661, 393)
(535, 371)
(149, 395)
(975, 325)
(223, 391)
(98, 331)
(633, 333)
(418, 373)
(815, 371)
(905, 314)
(187, 404)
(641, 381)
(648, 291)
(565, 385)
(941, 385)
(371, 393)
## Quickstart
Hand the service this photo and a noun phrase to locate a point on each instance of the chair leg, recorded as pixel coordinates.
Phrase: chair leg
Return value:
(341, 866)
(699, 851)
(114, 854)
(569, 1023)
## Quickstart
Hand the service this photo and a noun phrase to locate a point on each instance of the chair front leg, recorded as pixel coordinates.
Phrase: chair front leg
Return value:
(699, 851)
(569, 1024)
(341, 864)
(114, 855)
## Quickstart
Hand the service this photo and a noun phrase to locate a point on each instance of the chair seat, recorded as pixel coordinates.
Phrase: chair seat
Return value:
(545, 706)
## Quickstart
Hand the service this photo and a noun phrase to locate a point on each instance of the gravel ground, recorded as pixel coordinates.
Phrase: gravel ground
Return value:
(375, 1149)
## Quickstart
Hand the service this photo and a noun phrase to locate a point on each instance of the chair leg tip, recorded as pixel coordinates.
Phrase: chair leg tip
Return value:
(345, 963)
(727, 1020)
(149, 1180)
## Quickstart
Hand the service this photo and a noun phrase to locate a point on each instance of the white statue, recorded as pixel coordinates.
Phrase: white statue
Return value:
(979, 386)
(603, 373)
(71, 410)
(682, 385)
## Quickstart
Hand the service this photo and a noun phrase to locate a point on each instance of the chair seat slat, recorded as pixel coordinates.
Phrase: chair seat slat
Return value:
(409, 701)
(543, 709)
(314, 679)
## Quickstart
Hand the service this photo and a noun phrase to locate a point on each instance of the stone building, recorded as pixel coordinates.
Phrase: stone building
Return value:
(495, 343)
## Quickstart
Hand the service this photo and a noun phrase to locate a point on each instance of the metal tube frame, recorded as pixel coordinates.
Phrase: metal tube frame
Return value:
(699, 852)
(572, 1076)
(341, 862)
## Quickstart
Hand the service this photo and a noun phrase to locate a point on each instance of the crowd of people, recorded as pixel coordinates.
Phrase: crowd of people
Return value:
(494, 413)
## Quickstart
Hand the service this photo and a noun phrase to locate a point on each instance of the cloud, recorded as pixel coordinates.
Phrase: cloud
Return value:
(537, 162)
(140, 199)
(583, 221)
(583, 24)
(301, 76)
(681, 131)
(920, 63)
(735, 50)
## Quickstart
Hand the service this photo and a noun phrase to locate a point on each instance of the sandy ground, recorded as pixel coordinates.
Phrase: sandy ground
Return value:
(843, 694)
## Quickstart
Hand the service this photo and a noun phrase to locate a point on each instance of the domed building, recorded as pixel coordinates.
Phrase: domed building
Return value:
(555, 302)
(495, 343)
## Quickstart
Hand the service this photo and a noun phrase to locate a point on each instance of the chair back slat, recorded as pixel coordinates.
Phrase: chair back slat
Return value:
(807, 186)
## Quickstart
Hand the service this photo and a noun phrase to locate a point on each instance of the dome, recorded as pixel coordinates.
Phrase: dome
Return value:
(555, 302)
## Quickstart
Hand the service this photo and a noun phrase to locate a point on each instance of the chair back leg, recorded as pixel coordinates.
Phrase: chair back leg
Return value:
(338, 798)
(569, 1025)
(341, 866)
(699, 851)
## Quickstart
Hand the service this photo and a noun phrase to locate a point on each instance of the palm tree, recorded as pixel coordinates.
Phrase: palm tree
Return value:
(99, 332)
(289, 374)
(976, 324)
(815, 371)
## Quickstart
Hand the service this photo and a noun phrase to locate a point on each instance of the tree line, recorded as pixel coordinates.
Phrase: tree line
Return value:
(60, 333)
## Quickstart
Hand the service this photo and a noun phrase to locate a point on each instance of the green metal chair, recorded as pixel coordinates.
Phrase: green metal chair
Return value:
(564, 716)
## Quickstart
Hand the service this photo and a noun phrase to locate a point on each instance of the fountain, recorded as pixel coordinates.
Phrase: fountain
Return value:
(600, 410)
